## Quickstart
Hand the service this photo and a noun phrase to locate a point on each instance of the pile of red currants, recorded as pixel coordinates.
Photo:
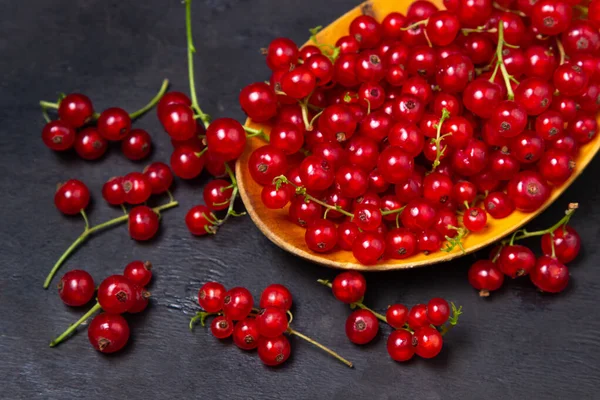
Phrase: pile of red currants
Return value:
(88, 132)
(252, 328)
(411, 132)
(108, 332)
(418, 331)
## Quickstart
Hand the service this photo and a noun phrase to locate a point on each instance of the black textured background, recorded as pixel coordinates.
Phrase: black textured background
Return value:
(517, 344)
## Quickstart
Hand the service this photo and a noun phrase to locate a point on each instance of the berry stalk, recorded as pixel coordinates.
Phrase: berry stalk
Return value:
(438, 139)
(562, 222)
(500, 63)
(74, 326)
(251, 132)
(89, 231)
(319, 345)
(202, 315)
(151, 103)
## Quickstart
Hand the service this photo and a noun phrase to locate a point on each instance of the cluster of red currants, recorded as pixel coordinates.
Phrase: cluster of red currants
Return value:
(408, 133)
(79, 127)
(560, 245)
(416, 331)
(108, 332)
(73, 197)
(253, 328)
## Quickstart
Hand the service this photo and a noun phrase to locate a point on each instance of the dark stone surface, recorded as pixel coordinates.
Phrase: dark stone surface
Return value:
(517, 344)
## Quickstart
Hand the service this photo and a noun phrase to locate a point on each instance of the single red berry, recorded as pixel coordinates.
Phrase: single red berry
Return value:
(528, 190)
(475, 219)
(396, 315)
(367, 217)
(178, 121)
(567, 244)
(160, 177)
(515, 260)
(171, 98)
(395, 165)
(141, 299)
(185, 163)
(534, 95)
(138, 272)
(72, 197)
(116, 294)
(143, 223)
(368, 247)
(113, 192)
(337, 123)
(137, 145)
(221, 327)
(259, 102)
(556, 166)
(90, 145)
(271, 322)
(321, 235)
(303, 213)
(344, 70)
(550, 125)
(569, 79)
(287, 138)
(75, 110)
(316, 173)
(417, 316)
(211, 296)
(361, 326)
(428, 342)
(442, 27)
(276, 295)
(583, 128)
(76, 288)
(266, 163)
(421, 9)
(200, 221)
(137, 188)
(237, 303)
(226, 138)
(540, 62)
(274, 198)
(282, 53)
(308, 51)
(362, 152)
(464, 191)
(58, 136)
(567, 144)
(509, 118)
(438, 311)
(108, 333)
(348, 44)
(366, 30)
(550, 275)
(298, 82)
(418, 215)
(274, 351)
(114, 124)
(217, 194)
(499, 205)
(349, 287)
(391, 25)
(400, 345)
(486, 277)
(245, 334)
(551, 17)
(446, 223)
(482, 97)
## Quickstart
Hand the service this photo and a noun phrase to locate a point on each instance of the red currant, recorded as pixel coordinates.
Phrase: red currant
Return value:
(116, 294)
(361, 326)
(72, 197)
(567, 244)
(237, 303)
(138, 272)
(550, 275)
(276, 295)
(143, 223)
(108, 333)
(76, 288)
(211, 296)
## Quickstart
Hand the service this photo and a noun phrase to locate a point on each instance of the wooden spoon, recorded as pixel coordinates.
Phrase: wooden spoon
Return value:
(290, 237)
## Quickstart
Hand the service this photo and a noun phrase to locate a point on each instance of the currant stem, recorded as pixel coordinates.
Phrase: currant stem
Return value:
(191, 50)
(500, 61)
(394, 211)
(319, 345)
(251, 132)
(74, 326)
(562, 222)
(201, 315)
(304, 108)
(153, 102)
(561, 51)
(89, 231)
(379, 316)
(48, 104)
(501, 8)
(414, 25)
(234, 192)
(438, 139)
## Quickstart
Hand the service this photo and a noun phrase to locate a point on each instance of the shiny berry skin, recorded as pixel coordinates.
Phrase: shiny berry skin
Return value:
(454, 73)
(429, 241)
(337, 123)
(481, 97)
(438, 311)
(515, 260)
(245, 334)
(442, 27)
(418, 215)
(395, 165)
(344, 70)
(502, 165)
(407, 108)
(396, 315)
(116, 294)
(567, 144)
(58, 136)
(550, 275)
(540, 62)
(299, 82)
(475, 219)
(217, 194)
(185, 163)
(76, 288)
(321, 235)
(367, 217)
(446, 223)
(583, 128)
(352, 181)
(237, 303)
(369, 67)
(143, 223)
(421, 9)
(550, 125)
(137, 145)
(226, 138)
(556, 166)
(569, 79)
(534, 95)
(321, 67)
(303, 213)
(464, 191)
(221, 327)
(113, 192)
(566, 106)
(348, 44)
(361, 326)
(499, 205)
(90, 145)
(347, 233)
(75, 110)
(160, 177)
(199, 220)
(528, 147)
(580, 37)
(417, 316)
(473, 13)
(271, 322)
(108, 333)
(171, 98)
(259, 102)
(366, 31)
(472, 159)
(509, 118)
(138, 272)
(210, 297)
(551, 17)
(528, 190)
(274, 351)
(287, 138)
(274, 198)
(276, 295)
(316, 173)
(437, 188)
(362, 152)
(368, 247)
(141, 300)
(486, 277)
(399, 345)
(282, 52)
(567, 244)
(137, 188)
(428, 342)
(178, 121)
(266, 163)
(71, 197)
(114, 124)
(349, 287)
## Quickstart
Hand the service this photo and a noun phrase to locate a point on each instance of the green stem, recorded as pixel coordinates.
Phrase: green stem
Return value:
(501, 8)
(199, 316)
(72, 328)
(48, 104)
(500, 61)
(561, 51)
(563, 221)
(251, 132)
(394, 211)
(319, 345)
(379, 316)
(153, 102)
(301, 190)
(191, 50)
(234, 192)
(87, 232)
(438, 140)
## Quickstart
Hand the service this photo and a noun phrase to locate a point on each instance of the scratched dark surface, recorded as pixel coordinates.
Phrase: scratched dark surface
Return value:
(517, 344)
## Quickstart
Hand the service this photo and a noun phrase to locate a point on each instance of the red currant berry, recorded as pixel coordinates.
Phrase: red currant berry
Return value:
(368, 247)
(396, 315)
(583, 128)
(58, 136)
(438, 311)
(528, 190)
(550, 125)
(303, 213)
(141, 300)
(274, 198)
(143, 223)
(567, 244)
(569, 79)
(200, 220)
(72, 197)
(428, 342)
(237, 303)
(486, 277)
(276, 295)
(534, 95)
(113, 192)
(482, 97)
(171, 98)
(75, 110)
(316, 173)
(509, 119)
(499, 205)
(282, 53)
(556, 166)
(287, 138)
(221, 327)
(515, 260)
(137, 145)
(528, 147)
(138, 272)
(349, 287)
(271, 322)
(298, 82)
(217, 194)
(551, 17)
(417, 316)
(210, 297)
(464, 191)
(137, 188)
(361, 326)
(108, 333)
(550, 275)
(442, 27)
(366, 30)
(418, 215)
(178, 121)
(76, 288)
(226, 138)
(160, 177)
(185, 163)
(421, 9)
(395, 165)
(454, 73)
(90, 145)
(245, 334)
(400, 243)
(116, 294)
(275, 351)
(259, 102)
(540, 62)
(321, 235)
(399, 345)
(475, 219)
(114, 124)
